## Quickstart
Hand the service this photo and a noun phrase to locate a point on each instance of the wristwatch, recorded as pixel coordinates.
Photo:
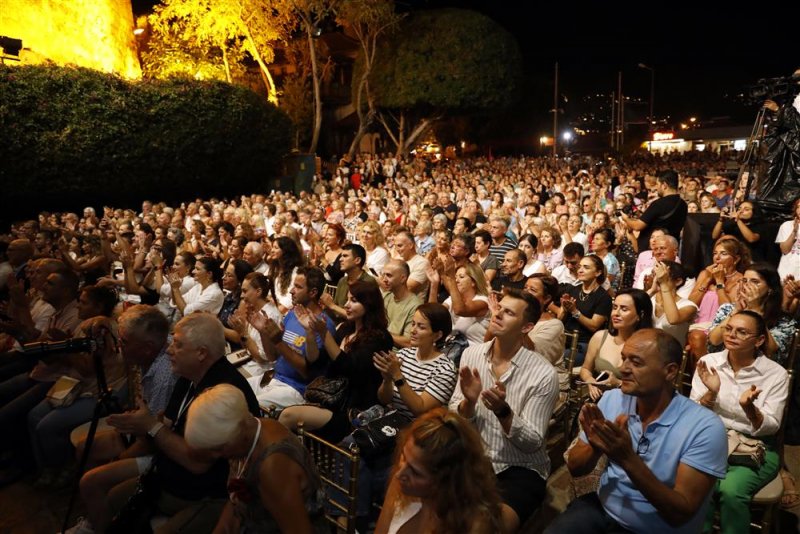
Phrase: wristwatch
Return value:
(576, 314)
(155, 429)
(720, 286)
(503, 412)
(243, 339)
(399, 382)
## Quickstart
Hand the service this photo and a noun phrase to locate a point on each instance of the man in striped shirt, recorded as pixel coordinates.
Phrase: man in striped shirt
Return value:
(509, 393)
(502, 242)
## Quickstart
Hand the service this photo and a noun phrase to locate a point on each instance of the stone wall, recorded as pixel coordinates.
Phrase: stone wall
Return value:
(90, 33)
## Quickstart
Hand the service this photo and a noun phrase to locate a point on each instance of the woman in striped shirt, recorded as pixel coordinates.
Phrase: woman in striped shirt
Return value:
(419, 378)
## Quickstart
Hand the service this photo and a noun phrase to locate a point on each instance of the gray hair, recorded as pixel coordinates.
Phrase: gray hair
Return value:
(147, 322)
(671, 241)
(204, 330)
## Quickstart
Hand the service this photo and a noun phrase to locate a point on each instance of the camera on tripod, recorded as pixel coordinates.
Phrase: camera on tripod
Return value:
(779, 89)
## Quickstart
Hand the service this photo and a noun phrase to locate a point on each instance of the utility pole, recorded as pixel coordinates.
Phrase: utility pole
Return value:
(555, 113)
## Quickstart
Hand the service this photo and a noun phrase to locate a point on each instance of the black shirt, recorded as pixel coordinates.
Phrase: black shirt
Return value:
(501, 281)
(595, 303)
(174, 478)
(668, 212)
(356, 365)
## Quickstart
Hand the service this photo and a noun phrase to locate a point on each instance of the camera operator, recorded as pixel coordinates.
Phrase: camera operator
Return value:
(782, 179)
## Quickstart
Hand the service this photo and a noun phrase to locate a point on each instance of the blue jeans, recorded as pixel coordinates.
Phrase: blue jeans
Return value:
(585, 515)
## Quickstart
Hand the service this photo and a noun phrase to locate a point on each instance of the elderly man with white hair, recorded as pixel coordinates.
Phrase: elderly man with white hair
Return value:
(254, 255)
(665, 248)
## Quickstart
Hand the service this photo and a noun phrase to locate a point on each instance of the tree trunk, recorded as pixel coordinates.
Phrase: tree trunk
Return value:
(272, 91)
(364, 119)
(227, 66)
(312, 149)
(420, 129)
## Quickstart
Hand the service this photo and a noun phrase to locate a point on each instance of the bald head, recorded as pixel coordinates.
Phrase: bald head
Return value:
(19, 251)
(394, 275)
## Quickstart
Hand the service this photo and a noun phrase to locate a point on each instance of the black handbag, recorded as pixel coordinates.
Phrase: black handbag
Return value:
(453, 347)
(330, 393)
(379, 436)
(134, 518)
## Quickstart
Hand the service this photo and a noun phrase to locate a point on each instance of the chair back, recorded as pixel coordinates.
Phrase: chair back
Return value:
(338, 469)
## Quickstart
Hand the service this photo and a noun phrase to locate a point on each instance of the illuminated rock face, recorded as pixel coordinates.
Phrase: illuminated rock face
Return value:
(91, 33)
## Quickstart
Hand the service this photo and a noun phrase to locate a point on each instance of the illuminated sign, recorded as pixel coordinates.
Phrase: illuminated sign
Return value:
(663, 136)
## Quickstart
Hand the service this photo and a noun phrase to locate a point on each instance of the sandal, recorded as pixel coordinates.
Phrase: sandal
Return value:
(791, 497)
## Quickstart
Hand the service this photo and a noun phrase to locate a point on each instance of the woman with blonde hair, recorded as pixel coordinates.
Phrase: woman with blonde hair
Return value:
(273, 484)
(468, 301)
(375, 245)
(442, 480)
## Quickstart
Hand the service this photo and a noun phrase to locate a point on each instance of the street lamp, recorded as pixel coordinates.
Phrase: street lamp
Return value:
(652, 90)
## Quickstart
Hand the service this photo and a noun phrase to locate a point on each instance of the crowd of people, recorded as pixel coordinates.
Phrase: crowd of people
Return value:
(442, 291)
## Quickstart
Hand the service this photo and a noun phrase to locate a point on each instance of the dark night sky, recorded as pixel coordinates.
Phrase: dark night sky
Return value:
(700, 50)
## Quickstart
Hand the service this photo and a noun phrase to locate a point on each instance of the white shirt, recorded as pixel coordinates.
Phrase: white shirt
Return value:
(418, 265)
(790, 262)
(535, 267)
(376, 259)
(564, 276)
(678, 331)
(683, 292)
(765, 374)
(531, 390)
(209, 299)
(474, 328)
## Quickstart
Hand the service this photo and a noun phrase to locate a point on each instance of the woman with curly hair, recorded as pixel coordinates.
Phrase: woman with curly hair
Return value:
(284, 258)
(442, 480)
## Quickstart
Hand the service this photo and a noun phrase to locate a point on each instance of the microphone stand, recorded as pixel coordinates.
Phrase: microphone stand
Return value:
(107, 404)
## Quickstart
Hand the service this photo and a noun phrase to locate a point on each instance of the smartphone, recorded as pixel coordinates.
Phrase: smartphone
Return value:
(603, 376)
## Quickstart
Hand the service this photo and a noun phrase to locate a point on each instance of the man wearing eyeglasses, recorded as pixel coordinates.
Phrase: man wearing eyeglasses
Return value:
(665, 453)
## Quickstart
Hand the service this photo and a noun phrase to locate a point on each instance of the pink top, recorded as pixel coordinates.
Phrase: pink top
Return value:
(708, 306)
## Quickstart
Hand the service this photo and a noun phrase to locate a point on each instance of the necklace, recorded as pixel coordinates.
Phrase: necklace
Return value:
(237, 487)
(584, 295)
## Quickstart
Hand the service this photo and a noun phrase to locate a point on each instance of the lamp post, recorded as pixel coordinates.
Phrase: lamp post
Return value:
(652, 91)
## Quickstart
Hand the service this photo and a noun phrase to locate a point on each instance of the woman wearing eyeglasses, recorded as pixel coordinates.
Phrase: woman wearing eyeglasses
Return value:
(748, 391)
(759, 291)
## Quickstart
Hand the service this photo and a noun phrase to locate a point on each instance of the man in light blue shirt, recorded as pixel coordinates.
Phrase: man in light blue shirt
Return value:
(664, 452)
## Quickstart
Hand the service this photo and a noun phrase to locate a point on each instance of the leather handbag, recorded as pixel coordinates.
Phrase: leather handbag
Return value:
(379, 436)
(746, 451)
(330, 393)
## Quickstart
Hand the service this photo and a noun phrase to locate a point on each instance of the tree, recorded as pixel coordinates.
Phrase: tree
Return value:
(254, 25)
(367, 20)
(310, 13)
(448, 61)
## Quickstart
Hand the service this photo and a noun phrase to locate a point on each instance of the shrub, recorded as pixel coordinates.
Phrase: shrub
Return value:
(74, 136)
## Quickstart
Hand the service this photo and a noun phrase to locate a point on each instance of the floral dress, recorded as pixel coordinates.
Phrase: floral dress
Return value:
(782, 332)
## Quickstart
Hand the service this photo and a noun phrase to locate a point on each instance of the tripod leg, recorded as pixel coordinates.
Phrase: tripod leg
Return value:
(99, 409)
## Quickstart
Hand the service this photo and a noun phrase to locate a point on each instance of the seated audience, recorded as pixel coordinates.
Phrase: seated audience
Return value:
(441, 450)
(651, 484)
(748, 391)
(632, 310)
(274, 485)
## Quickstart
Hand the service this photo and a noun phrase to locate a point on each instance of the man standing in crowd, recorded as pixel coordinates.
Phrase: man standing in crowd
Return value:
(668, 212)
(665, 452)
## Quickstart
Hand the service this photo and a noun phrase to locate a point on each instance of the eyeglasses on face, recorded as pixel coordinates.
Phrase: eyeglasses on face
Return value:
(739, 333)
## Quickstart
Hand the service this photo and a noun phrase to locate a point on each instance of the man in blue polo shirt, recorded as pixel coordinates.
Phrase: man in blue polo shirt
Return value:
(664, 452)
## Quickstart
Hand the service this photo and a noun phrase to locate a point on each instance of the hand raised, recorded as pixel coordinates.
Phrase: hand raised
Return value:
(471, 385)
(749, 396)
(709, 377)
